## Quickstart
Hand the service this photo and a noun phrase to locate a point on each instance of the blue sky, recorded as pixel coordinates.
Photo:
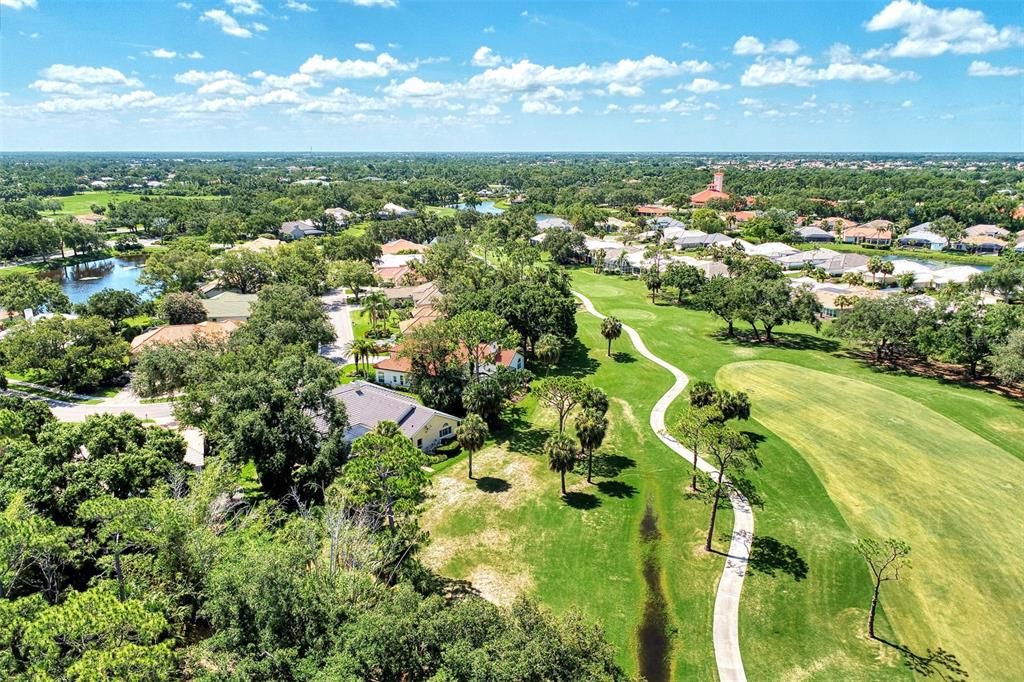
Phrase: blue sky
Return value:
(388, 75)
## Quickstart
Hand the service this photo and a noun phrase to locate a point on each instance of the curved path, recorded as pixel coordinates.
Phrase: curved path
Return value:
(727, 601)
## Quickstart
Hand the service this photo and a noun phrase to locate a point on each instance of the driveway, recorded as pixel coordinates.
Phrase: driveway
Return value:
(339, 312)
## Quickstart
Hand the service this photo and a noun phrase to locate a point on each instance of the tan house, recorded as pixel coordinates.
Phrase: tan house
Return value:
(170, 334)
(396, 370)
(874, 233)
(401, 246)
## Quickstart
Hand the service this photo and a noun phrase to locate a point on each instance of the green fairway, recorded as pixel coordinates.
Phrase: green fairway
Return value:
(80, 203)
(811, 627)
(895, 468)
(510, 532)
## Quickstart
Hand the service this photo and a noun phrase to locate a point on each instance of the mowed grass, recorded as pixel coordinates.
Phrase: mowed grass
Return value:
(811, 627)
(80, 203)
(510, 532)
(897, 469)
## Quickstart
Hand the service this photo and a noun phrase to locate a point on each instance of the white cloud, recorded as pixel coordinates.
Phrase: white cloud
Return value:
(18, 4)
(88, 75)
(184, 5)
(105, 102)
(800, 71)
(928, 32)
(261, 28)
(611, 108)
(710, 117)
(907, 104)
(258, 74)
(364, 47)
(195, 54)
(551, 94)
(625, 90)
(375, 3)
(485, 56)
(194, 77)
(247, 7)
(62, 87)
(984, 69)
(225, 86)
(298, 6)
(703, 86)
(227, 23)
(486, 110)
(161, 53)
(542, 107)
(384, 64)
(417, 87)
(751, 45)
(488, 29)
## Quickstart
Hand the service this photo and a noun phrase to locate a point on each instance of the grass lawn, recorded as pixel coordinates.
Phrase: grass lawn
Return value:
(813, 626)
(955, 257)
(510, 531)
(80, 202)
(442, 210)
(361, 323)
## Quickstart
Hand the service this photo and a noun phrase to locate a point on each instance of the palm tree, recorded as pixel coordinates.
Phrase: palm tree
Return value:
(611, 329)
(362, 349)
(874, 267)
(471, 434)
(379, 308)
(887, 268)
(548, 349)
(561, 452)
(591, 427)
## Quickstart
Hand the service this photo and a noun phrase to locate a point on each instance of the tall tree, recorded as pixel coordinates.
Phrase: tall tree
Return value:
(730, 452)
(562, 394)
(385, 476)
(471, 434)
(591, 427)
(561, 453)
(611, 329)
(885, 559)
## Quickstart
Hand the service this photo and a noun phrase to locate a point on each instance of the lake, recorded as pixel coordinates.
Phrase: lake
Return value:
(81, 281)
(484, 207)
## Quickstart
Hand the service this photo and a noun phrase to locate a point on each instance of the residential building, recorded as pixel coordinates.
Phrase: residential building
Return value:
(773, 250)
(813, 233)
(391, 211)
(341, 216)
(92, 219)
(981, 244)
(987, 231)
(259, 244)
(229, 305)
(873, 233)
(924, 239)
(715, 190)
(299, 229)
(402, 246)
(177, 333)
(367, 405)
(835, 224)
(654, 210)
(396, 370)
(553, 223)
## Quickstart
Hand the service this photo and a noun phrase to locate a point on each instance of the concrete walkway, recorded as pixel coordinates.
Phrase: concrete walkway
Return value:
(339, 312)
(727, 601)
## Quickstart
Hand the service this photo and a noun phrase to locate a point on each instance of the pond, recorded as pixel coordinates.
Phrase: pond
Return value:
(487, 207)
(81, 281)
(936, 264)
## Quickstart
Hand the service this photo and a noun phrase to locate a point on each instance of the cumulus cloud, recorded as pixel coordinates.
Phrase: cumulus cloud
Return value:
(161, 53)
(106, 102)
(184, 5)
(416, 87)
(984, 69)
(298, 6)
(248, 7)
(907, 104)
(195, 54)
(225, 86)
(227, 23)
(486, 57)
(928, 32)
(88, 75)
(703, 86)
(364, 47)
(625, 90)
(543, 107)
(751, 45)
(332, 67)
(257, 26)
(374, 3)
(800, 71)
(194, 77)
(18, 4)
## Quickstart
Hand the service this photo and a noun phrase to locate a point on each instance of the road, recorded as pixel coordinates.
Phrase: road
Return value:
(339, 312)
(726, 627)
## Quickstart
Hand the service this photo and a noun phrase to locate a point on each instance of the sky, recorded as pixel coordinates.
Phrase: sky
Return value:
(416, 75)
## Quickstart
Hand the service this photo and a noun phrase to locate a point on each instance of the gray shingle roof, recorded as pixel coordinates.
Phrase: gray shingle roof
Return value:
(367, 405)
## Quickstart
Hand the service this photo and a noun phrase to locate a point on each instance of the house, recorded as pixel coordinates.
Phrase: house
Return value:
(771, 250)
(259, 244)
(900, 267)
(703, 241)
(419, 294)
(553, 223)
(366, 405)
(738, 217)
(654, 210)
(392, 211)
(401, 246)
(341, 216)
(874, 233)
(981, 244)
(924, 239)
(612, 224)
(957, 274)
(177, 333)
(815, 257)
(396, 370)
(812, 233)
(396, 274)
(228, 305)
(421, 317)
(715, 190)
(835, 224)
(98, 184)
(1020, 244)
(299, 229)
(987, 231)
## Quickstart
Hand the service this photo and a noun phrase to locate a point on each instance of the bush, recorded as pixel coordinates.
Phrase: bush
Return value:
(182, 308)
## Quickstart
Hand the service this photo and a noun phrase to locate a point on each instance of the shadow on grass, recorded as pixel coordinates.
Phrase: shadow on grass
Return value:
(770, 556)
(784, 340)
(576, 360)
(519, 434)
(617, 489)
(623, 357)
(578, 500)
(937, 663)
(610, 465)
(490, 484)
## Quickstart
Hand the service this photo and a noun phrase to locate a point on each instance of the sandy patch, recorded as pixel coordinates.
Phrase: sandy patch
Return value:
(500, 588)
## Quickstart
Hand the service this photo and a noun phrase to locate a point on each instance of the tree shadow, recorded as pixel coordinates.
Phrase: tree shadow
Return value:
(576, 360)
(490, 484)
(617, 489)
(935, 662)
(770, 556)
(623, 357)
(611, 465)
(755, 438)
(519, 434)
(784, 340)
(578, 500)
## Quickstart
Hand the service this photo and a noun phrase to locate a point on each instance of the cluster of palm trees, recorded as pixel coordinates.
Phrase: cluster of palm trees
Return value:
(379, 308)
(362, 350)
(877, 265)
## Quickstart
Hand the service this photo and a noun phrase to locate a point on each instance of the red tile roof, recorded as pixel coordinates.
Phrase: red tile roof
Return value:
(705, 195)
(402, 245)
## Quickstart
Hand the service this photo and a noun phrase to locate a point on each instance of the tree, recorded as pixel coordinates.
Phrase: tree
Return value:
(302, 264)
(1008, 359)
(286, 314)
(548, 349)
(565, 246)
(354, 275)
(968, 331)
(611, 329)
(362, 350)
(885, 559)
(890, 326)
(562, 394)
(561, 453)
(484, 398)
(719, 296)
(685, 279)
(874, 266)
(906, 281)
(379, 308)
(385, 476)
(594, 399)
(471, 434)
(76, 354)
(245, 270)
(22, 291)
(729, 451)
(706, 220)
(182, 308)
(482, 334)
(1005, 278)
(182, 266)
(591, 427)
(114, 305)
